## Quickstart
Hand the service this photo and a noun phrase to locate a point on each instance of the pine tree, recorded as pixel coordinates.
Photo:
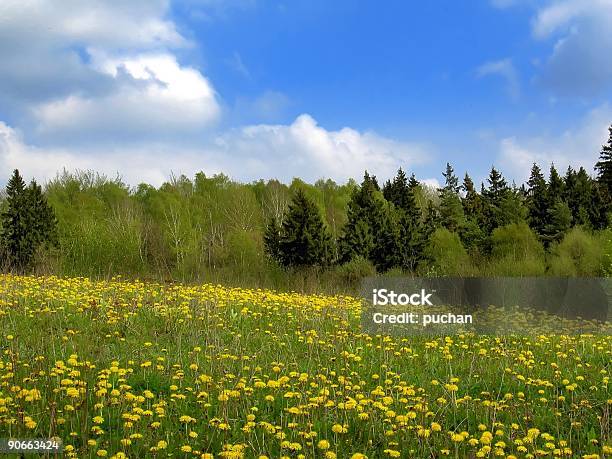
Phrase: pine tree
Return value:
(411, 231)
(397, 191)
(450, 179)
(537, 200)
(272, 237)
(385, 253)
(604, 166)
(503, 205)
(559, 221)
(432, 219)
(28, 223)
(578, 193)
(599, 211)
(556, 188)
(304, 239)
(358, 233)
(473, 203)
(43, 221)
(452, 216)
(473, 232)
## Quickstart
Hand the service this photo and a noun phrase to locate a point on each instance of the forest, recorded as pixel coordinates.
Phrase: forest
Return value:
(311, 236)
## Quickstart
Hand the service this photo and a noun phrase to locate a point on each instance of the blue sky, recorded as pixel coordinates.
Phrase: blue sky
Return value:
(302, 88)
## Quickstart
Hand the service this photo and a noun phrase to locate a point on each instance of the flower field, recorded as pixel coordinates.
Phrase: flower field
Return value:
(131, 369)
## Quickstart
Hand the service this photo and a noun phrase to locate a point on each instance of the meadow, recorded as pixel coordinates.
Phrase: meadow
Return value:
(124, 369)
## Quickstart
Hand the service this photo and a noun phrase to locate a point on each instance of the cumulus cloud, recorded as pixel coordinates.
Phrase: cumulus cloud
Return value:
(43, 43)
(505, 69)
(153, 97)
(573, 147)
(305, 149)
(580, 31)
(302, 149)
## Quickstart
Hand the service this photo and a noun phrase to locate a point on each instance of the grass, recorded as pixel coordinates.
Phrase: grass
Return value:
(134, 369)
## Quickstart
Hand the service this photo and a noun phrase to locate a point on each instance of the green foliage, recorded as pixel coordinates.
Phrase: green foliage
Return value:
(516, 251)
(445, 254)
(578, 254)
(355, 270)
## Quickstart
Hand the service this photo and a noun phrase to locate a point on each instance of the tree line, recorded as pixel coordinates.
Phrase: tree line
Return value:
(215, 229)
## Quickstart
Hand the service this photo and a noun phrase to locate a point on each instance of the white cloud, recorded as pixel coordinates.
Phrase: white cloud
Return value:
(153, 96)
(117, 24)
(302, 149)
(308, 150)
(505, 69)
(580, 31)
(574, 147)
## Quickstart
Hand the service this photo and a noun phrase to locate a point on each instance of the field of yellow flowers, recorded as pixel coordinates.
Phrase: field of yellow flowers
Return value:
(130, 369)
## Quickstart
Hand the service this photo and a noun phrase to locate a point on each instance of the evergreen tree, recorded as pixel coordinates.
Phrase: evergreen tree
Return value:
(358, 233)
(556, 187)
(559, 221)
(432, 219)
(452, 216)
(43, 224)
(599, 211)
(385, 253)
(472, 201)
(578, 193)
(271, 238)
(537, 200)
(398, 192)
(304, 238)
(604, 166)
(451, 182)
(28, 223)
(473, 233)
(411, 231)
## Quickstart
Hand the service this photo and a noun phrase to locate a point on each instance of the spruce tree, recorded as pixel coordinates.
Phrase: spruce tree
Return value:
(537, 200)
(432, 220)
(472, 201)
(304, 239)
(452, 216)
(271, 238)
(385, 252)
(411, 231)
(556, 188)
(559, 221)
(604, 166)
(600, 209)
(28, 223)
(578, 193)
(43, 221)
(473, 233)
(358, 234)
(503, 205)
